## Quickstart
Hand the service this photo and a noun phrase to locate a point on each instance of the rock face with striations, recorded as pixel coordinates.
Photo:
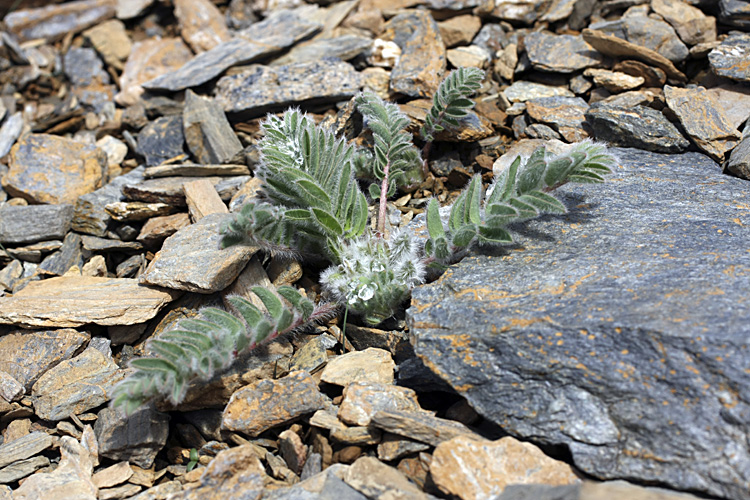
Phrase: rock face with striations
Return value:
(619, 330)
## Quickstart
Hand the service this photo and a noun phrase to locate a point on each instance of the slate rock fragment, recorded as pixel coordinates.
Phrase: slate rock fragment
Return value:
(734, 13)
(261, 89)
(136, 438)
(55, 21)
(730, 59)
(24, 447)
(90, 216)
(420, 68)
(9, 132)
(201, 24)
(560, 53)
(111, 41)
(83, 67)
(27, 355)
(344, 47)
(32, 223)
(644, 31)
(207, 131)
(739, 161)
(637, 127)
(565, 115)
(161, 140)
(52, 169)
(169, 190)
(690, 23)
(616, 331)
(192, 259)
(68, 256)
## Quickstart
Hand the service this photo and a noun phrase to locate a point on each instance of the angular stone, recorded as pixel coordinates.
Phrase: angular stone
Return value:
(155, 230)
(196, 170)
(71, 480)
(115, 149)
(472, 127)
(112, 475)
(525, 12)
(356, 436)
(192, 259)
(614, 331)
(28, 355)
(52, 169)
(344, 47)
(10, 274)
(202, 199)
(701, 116)
(734, 99)
(637, 127)
(55, 21)
(69, 255)
(522, 91)
(422, 63)
(161, 140)
(564, 114)
(207, 131)
(233, 473)
(370, 365)
(76, 385)
(169, 189)
(739, 162)
(162, 491)
(560, 53)
(459, 30)
(420, 426)
(473, 469)
(24, 447)
(734, 13)
(76, 300)
(96, 244)
(136, 438)
(21, 469)
(268, 403)
(374, 479)
(32, 223)
(201, 24)
(261, 89)
(260, 40)
(111, 41)
(90, 214)
(83, 67)
(149, 59)
(311, 356)
(9, 132)
(652, 77)
(614, 81)
(137, 210)
(393, 447)
(613, 46)
(471, 56)
(125, 491)
(644, 31)
(611, 490)
(690, 23)
(730, 59)
(10, 388)
(362, 400)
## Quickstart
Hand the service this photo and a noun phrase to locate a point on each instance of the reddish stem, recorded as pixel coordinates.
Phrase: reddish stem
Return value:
(382, 209)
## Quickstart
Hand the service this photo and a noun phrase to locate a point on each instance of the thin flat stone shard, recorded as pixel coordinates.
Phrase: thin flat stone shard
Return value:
(261, 89)
(24, 447)
(31, 223)
(136, 438)
(560, 53)
(207, 131)
(90, 216)
(638, 127)
(616, 330)
(195, 170)
(55, 21)
(72, 301)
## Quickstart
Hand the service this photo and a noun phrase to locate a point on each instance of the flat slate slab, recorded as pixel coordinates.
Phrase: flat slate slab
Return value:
(70, 301)
(619, 330)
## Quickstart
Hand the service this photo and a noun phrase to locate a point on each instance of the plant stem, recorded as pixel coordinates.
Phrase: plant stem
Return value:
(425, 156)
(382, 209)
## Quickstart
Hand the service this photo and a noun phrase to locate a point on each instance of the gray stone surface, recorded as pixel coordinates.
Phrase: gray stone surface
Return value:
(90, 216)
(9, 132)
(735, 12)
(564, 114)
(635, 127)
(642, 30)
(619, 330)
(343, 47)
(207, 131)
(169, 189)
(32, 223)
(739, 161)
(560, 53)
(24, 447)
(69, 255)
(261, 89)
(83, 66)
(136, 438)
(22, 468)
(191, 259)
(730, 58)
(55, 21)
(161, 140)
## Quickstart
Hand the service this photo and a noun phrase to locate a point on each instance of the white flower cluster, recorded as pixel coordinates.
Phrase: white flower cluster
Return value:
(376, 275)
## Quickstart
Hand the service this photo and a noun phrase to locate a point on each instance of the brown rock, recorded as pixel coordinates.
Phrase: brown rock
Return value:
(734, 99)
(374, 479)
(475, 469)
(471, 56)
(690, 23)
(701, 116)
(55, 21)
(135, 438)
(137, 210)
(169, 189)
(471, 127)
(149, 59)
(71, 480)
(195, 170)
(614, 81)
(112, 475)
(233, 473)
(653, 77)
(362, 400)
(393, 447)
(420, 426)
(111, 41)
(422, 63)
(201, 24)
(292, 450)
(155, 230)
(269, 403)
(560, 53)
(10, 388)
(202, 199)
(459, 30)
(52, 169)
(370, 365)
(617, 47)
(76, 300)
(360, 436)
(563, 114)
(207, 131)
(192, 259)
(27, 355)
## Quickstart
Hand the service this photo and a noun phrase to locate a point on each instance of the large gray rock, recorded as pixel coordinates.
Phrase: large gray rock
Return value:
(620, 330)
